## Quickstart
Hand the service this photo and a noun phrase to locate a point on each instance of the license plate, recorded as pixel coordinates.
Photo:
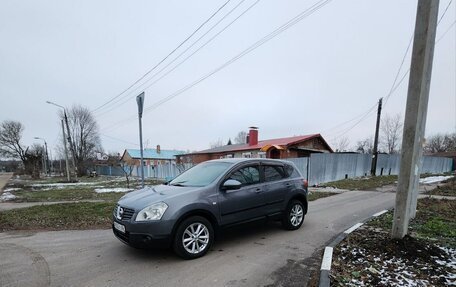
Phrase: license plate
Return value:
(119, 227)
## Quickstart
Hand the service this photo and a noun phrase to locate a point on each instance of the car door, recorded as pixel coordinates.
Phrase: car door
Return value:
(246, 202)
(276, 187)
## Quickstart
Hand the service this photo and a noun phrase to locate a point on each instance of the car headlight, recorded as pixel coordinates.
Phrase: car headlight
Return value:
(152, 212)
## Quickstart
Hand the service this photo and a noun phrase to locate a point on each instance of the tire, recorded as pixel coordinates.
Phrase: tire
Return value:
(294, 215)
(194, 237)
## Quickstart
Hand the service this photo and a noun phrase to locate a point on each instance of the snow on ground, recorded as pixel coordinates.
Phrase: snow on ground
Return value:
(62, 185)
(7, 196)
(116, 189)
(434, 179)
(12, 189)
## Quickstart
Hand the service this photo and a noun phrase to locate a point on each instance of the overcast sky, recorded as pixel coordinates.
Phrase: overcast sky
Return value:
(327, 69)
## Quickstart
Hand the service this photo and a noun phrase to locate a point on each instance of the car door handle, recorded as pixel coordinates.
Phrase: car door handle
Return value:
(258, 190)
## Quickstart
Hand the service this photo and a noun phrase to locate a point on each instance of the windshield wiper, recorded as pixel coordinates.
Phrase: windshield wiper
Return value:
(178, 183)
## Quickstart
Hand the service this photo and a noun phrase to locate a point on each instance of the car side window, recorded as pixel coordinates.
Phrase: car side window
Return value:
(273, 173)
(247, 175)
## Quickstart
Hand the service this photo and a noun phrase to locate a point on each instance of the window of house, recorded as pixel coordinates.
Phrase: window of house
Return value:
(262, 154)
(273, 173)
(247, 175)
(247, 154)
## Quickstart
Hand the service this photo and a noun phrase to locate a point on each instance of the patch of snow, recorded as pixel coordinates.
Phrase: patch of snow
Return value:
(62, 185)
(116, 189)
(11, 189)
(7, 196)
(434, 179)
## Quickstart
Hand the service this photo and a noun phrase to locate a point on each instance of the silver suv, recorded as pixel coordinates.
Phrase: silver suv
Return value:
(186, 212)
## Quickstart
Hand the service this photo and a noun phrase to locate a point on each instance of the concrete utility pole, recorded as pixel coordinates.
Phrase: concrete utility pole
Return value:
(67, 164)
(140, 102)
(46, 157)
(73, 152)
(377, 127)
(70, 142)
(415, 114)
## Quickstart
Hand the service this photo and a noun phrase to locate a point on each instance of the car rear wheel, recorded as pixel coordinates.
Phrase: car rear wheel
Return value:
(294, 215)
(193, 238)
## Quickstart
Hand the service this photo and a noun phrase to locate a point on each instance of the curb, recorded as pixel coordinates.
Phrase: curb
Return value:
(327, 255)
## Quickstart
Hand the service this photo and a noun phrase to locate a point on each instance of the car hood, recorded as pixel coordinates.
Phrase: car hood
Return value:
(144, 197)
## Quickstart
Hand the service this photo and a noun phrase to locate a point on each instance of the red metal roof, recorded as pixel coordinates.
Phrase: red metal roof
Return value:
(280, 141)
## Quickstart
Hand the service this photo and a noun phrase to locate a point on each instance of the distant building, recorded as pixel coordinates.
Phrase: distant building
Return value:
(152, 157)
(280, 148)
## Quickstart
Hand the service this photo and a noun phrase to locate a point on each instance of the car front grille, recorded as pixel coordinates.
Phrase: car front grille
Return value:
(126, 215)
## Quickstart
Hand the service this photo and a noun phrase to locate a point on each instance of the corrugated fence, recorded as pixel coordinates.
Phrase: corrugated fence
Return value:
(330, 167)
(318, 168)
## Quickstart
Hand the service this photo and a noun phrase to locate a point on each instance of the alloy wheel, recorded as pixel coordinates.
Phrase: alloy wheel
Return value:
(296, 215)
(195, 238)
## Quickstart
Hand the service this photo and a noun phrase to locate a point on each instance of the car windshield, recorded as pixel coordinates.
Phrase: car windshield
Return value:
(201, 174)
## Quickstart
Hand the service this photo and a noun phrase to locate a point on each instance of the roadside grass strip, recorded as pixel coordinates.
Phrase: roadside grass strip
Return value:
(327, 256)
(370, 257)
(66, 216)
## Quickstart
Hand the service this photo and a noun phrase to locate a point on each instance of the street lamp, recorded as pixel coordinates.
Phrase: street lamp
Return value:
(140, 102)
(64, 142)
(46, 158)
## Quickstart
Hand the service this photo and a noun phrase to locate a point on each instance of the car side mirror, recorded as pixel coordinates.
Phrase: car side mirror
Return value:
(231, 184)
(168, 180)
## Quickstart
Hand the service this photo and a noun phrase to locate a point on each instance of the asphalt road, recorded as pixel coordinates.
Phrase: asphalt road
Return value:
(259, 254)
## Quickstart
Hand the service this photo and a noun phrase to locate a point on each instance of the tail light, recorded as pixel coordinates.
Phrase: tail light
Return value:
(306, 183)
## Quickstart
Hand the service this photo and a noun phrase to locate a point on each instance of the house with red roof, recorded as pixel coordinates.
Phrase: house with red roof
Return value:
(280, 148)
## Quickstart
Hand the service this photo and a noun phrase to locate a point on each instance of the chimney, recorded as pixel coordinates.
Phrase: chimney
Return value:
(158, 148)
(253, 136)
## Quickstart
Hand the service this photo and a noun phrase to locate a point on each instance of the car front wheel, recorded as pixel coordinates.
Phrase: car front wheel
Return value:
(193, 238)
(294, 215)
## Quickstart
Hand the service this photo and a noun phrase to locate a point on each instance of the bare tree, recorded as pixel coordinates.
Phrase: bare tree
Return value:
(391, 128)
(341, 144)
(84, 135)
(10, 140)
(440, 143)
(127, 168)
(217, 143)
(365, 146)
(241, 137)
(34, 160)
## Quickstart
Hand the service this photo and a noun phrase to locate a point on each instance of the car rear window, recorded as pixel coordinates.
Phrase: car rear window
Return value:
(273, 173)
(291, 171)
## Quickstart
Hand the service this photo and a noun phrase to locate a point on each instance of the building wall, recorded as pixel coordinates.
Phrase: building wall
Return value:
(315, 143)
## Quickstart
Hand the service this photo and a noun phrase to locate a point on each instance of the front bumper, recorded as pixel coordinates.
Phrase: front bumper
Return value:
(154, 234)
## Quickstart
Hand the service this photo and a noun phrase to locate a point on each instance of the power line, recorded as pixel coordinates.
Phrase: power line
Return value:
(119, 140)
(446, 31)
(164, 59)
(394, 86)
(128, 96)
(444, 12)
(365, 116)
(396, 83)
(253, 47)
(309, 11)
(349, 121)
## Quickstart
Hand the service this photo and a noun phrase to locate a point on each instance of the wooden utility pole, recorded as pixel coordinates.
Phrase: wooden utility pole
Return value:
(415, 114)
(377, 127)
